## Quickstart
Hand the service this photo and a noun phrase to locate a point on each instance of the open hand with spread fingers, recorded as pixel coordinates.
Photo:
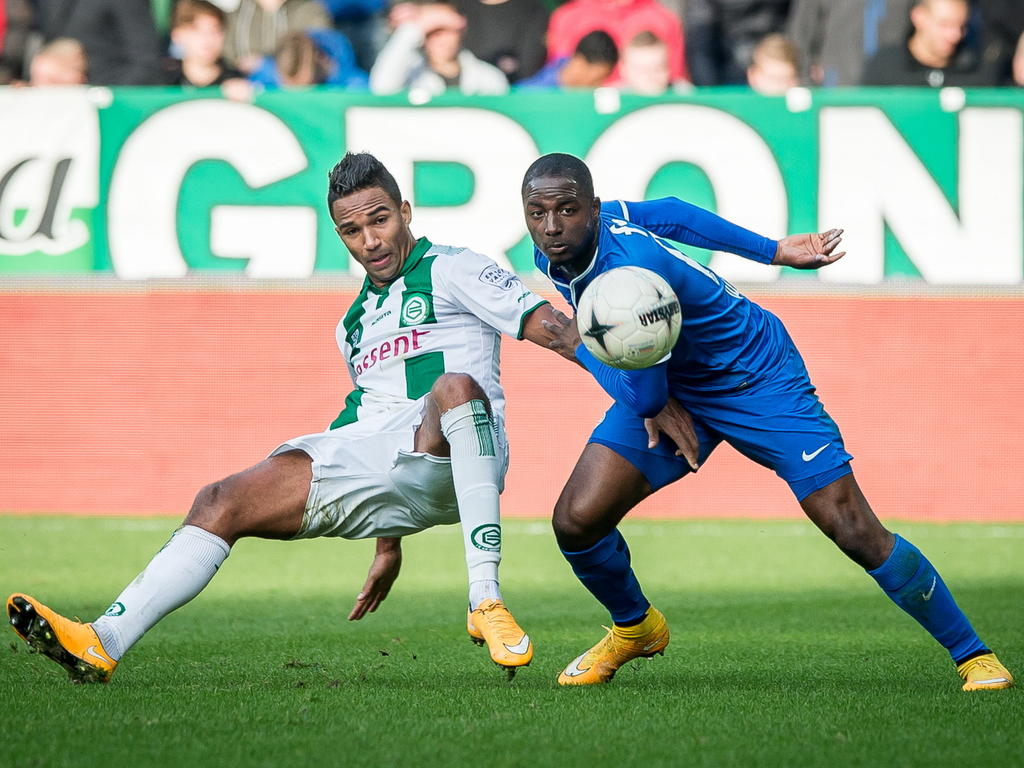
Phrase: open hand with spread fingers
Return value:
(809, 251)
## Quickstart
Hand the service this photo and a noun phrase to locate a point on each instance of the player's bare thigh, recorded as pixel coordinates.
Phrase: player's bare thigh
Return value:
(603, 487)
(266, 500)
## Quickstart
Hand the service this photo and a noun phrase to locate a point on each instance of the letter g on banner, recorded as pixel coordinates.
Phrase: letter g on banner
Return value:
(144, 188)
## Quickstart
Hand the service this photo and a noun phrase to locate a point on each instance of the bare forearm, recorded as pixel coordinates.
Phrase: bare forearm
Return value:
(386, 545)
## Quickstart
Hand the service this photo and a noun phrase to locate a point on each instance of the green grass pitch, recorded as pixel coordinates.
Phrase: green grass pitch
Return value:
(783, 653)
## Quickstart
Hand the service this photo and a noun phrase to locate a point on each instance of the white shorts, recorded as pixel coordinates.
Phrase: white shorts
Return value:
(368, 481)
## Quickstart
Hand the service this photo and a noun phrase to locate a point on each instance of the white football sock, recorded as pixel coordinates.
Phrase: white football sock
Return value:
(475, 467)
(483, 590)
(175, 575)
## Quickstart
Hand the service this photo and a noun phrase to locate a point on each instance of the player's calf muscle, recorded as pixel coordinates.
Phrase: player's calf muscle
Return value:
(864, 541)
(844, 515)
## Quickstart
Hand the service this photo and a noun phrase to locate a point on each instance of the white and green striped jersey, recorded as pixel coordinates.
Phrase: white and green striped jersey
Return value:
(445, 312)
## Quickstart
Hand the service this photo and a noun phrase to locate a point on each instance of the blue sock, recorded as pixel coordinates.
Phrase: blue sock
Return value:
(604, 569)
(914, 585)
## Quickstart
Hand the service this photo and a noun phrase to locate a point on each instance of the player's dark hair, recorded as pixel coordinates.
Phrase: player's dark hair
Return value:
(357, 171)
(598, 47)
(560, 165)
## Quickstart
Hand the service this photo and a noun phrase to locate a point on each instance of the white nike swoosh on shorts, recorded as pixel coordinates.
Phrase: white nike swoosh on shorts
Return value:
(810, 456)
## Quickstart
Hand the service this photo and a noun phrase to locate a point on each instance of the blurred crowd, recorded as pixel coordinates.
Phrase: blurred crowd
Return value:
(491, 46)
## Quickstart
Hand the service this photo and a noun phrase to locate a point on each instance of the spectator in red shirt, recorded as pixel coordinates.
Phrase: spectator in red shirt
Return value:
(623, 20)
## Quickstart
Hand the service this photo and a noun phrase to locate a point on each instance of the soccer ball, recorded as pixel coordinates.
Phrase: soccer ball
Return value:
(629, 317)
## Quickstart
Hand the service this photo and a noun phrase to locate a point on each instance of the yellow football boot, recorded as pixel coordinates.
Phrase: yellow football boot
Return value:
(491, 623)
(73, 645)
(621, 644)
(984, 673)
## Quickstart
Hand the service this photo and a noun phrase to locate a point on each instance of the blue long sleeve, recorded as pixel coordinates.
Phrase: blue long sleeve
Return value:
(689, 224)
(644, 390)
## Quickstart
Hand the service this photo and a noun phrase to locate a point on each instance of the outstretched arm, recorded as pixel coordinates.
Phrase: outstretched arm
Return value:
(546, 326)
(692, 225)
(383, 572)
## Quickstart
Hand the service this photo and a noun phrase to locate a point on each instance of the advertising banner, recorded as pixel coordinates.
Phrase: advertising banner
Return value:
(154, 183)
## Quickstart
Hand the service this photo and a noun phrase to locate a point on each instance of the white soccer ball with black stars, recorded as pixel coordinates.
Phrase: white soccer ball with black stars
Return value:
(629, 317)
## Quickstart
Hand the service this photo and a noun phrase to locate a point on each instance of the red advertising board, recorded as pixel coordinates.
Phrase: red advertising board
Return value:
(115, 402)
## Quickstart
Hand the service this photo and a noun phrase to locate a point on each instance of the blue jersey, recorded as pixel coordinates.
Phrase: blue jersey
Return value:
(727, 342)
(734, 368)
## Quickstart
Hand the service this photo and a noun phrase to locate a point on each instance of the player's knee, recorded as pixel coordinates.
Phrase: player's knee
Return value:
(573, 528)
(214, 511)
(452, 389)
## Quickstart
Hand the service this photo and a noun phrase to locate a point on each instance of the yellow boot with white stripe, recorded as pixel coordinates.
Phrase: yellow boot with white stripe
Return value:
(984, 673)
(73, 645)
(509, 646)
(621, 644)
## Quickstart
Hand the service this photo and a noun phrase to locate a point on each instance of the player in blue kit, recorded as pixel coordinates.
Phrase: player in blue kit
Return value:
(734, 375)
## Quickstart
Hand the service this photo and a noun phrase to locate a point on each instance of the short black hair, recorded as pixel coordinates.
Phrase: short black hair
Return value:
(598, 47)
(559, 164)
(360, 170)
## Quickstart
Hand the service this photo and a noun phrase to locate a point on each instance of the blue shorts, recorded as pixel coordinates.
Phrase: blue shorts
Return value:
(779, 422)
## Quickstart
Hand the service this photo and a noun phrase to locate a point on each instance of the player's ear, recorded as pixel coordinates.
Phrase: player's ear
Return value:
(597, 206)
(406, 210)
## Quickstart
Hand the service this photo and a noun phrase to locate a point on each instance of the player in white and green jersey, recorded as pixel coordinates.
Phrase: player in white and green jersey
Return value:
(441, 314)
(420, 442)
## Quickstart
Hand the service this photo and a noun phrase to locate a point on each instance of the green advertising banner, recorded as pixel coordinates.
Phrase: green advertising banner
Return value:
(155, 183)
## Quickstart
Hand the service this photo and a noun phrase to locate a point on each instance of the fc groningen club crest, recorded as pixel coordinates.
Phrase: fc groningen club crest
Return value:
(416, 309)
(487, 537)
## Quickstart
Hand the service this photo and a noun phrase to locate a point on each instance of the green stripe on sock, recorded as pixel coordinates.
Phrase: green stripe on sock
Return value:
(482, 424)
